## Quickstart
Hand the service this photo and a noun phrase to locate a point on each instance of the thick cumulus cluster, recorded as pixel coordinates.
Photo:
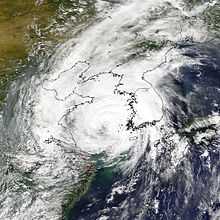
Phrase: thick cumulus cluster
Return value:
(97, 113)
(98, 97)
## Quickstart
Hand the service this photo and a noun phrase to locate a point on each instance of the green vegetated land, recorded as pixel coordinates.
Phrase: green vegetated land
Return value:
(16, 18)
(32, 28)
(34, 25)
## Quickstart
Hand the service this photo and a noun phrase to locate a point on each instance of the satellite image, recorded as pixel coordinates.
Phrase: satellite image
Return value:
(109, 110)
